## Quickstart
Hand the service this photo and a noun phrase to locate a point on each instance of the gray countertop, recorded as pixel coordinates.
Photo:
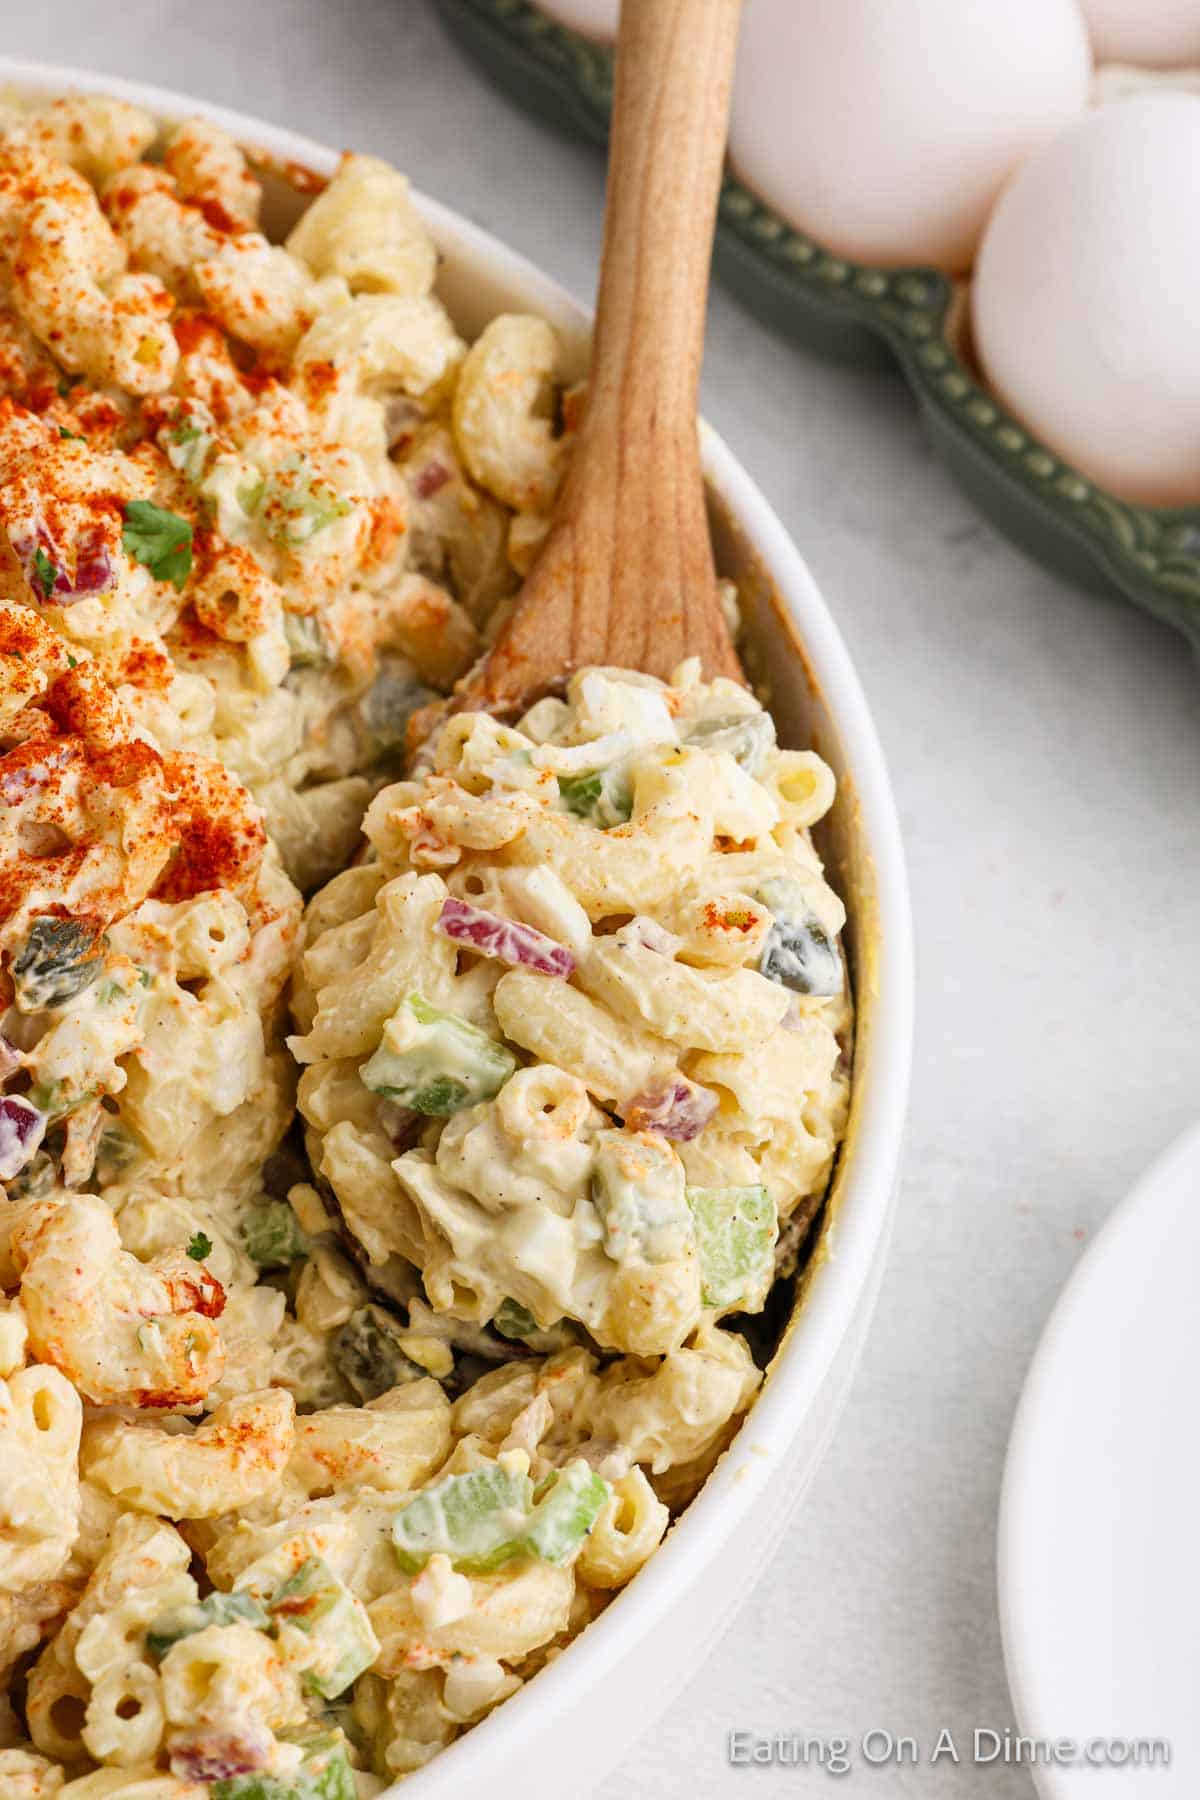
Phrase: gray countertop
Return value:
(1045, 750)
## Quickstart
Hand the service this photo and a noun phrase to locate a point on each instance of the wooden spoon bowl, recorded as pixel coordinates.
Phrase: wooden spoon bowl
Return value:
(626, 575)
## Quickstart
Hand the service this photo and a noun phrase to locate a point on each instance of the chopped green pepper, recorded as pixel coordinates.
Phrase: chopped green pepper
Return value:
(272, 1236)
(324, 1774)
(369, 1355)
(388, 705)
(37, 1178)
(434, 1062)
(513, 1320)
(318, 1602)
(799, 953)
(746, 736)
(604, 797)
(58, 960)
(215, 1609)
(638, 1192)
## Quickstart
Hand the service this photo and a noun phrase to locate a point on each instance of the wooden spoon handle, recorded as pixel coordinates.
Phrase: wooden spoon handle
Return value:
(626, 576)
(670, 116)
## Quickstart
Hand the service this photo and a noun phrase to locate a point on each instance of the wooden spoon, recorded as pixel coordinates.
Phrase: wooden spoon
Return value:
(626, 575)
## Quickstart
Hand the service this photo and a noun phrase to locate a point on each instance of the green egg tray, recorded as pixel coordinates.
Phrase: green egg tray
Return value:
(874, 317)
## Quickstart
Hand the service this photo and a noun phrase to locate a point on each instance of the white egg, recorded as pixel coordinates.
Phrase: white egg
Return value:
(886, 128)
(595, 18)
(1161, 34)
(1084, 299)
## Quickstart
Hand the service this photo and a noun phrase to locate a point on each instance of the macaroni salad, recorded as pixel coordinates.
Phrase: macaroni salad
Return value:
(378, 1278)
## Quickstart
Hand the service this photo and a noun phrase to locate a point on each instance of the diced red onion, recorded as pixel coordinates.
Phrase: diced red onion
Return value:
(428, 481)
(400, 1125)
(93, 567)
(29, 777)
(793, 1018)
(93, 573)
(506, 939)
(22, 1128)
(219, 1755)
(650, 934)
(679, 1111)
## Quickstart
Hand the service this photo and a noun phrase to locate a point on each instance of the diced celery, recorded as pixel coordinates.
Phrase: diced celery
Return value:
(638, 1191)
(746, 736)
(187, 447)
(296, 504)
(568, 1506)
(272, 1236)
(214, 1609)
(604, 797)
(324, 1774)
(318, 1602)
(434, 1062)
(736, 1230)
(490, 1516)
(799, 953)
(367, 1352)
(476, 1519)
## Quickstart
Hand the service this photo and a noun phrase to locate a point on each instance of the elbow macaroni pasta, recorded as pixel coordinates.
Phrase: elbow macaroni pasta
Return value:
(316, 1445)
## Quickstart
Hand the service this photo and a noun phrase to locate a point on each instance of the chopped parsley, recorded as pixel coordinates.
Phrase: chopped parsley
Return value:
(161, 540)
(45, 574)
(76, 437)
(72, 662)
(200, 1246)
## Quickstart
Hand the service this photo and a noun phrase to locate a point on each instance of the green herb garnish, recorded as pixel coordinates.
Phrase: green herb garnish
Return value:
(45, 574)
(200, 1246)
(161, 540)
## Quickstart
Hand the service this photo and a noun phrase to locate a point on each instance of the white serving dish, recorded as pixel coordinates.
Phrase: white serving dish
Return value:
(559, 1734)
(1099, 1557)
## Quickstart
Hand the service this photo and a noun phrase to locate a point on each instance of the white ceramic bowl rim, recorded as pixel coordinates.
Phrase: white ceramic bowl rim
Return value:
(865, 1197)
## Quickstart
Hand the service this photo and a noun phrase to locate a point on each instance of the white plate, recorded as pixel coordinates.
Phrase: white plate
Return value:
(1100, 1515)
